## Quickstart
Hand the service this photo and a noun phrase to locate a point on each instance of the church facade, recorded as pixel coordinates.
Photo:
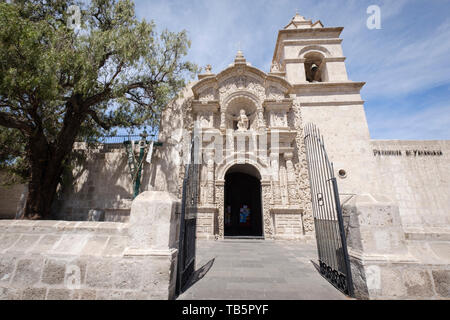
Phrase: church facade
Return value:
(250, 140)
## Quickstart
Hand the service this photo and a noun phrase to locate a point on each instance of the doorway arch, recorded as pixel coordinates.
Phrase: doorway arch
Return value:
(243, 202)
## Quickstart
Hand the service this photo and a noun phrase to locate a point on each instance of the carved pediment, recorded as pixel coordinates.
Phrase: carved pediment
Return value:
(242, 83)
(241, 77)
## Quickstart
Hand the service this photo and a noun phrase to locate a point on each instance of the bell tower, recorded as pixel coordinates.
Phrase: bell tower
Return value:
(310, 57)
(309, 52)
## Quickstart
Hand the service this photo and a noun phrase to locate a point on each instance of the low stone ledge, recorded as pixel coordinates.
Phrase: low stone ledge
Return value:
(61, 260)
(55, 227)
(427, 235)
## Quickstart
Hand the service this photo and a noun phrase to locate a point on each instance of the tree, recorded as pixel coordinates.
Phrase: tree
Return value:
(59, 84)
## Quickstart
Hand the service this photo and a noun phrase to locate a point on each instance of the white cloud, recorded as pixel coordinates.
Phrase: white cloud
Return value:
(403, 122)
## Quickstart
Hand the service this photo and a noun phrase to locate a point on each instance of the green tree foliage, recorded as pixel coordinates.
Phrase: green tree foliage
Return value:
(59, 84)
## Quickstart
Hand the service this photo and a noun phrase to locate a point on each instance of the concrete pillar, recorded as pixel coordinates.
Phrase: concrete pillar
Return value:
(377, 247)
(153, 235)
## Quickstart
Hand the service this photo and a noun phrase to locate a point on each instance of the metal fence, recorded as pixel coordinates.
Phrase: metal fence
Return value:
(120, 139)
(117, 141)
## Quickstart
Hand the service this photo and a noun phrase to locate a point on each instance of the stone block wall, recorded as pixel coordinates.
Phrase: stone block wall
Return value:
(419, 183)
(101, 182)
(288, 226)
(386, 263)
(58, 260)
(205, 223)
(346, 138)
(402, 281)
(9, 199)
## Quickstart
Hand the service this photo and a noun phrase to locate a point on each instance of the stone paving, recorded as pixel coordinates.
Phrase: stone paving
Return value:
(258, 270)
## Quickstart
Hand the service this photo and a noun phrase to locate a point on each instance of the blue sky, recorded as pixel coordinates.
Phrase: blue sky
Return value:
(406, 64)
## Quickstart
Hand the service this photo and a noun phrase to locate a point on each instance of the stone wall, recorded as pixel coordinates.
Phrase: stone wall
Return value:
(346, 139)
(9, 199)
(384, 263)
(60, 260)
(419, 183)
(100, 182)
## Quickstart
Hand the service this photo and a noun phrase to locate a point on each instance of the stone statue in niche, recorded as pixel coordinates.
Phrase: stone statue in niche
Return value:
(242, 121)
(205, 119)
(278, 119)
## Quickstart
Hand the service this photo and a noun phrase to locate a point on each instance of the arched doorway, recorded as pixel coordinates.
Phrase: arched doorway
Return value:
(243, 214)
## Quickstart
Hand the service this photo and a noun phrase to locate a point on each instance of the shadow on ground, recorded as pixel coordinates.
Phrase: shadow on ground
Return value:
(198, 275)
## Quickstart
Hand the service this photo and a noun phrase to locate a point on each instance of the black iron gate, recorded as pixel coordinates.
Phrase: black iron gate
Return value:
(331, 242)
(188, 223)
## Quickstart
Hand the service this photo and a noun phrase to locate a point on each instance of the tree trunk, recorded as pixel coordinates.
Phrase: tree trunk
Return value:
(42, 191)
(44, 179)
(47, 165)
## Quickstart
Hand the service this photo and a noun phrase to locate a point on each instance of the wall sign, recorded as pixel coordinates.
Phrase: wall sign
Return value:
(408, 153)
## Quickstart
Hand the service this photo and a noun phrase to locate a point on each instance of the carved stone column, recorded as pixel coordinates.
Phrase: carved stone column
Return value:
(267, 216)
(210, 177)
(291, 178)
(274, 161)
(304, 191)
(283, 184)
(223, 125)
(220, 198)
(261, 122)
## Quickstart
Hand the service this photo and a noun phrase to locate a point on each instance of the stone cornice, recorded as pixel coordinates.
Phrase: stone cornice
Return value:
(302, 60)
(199, 106)
(328, 86)
(281, 74)
(331, 103)
(305, 42)
(335, 59)
(313, 31)
(286, 210)
(284, 104)
(310, 32)
(207, 209)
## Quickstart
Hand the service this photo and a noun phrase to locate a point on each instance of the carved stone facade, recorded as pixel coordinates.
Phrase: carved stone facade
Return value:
(248, 119)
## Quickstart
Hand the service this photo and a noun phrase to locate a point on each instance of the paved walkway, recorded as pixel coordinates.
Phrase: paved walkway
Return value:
(258, 270)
